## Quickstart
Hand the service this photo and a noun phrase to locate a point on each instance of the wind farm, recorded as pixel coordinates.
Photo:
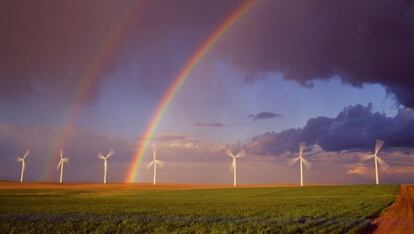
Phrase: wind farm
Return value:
(240, 116)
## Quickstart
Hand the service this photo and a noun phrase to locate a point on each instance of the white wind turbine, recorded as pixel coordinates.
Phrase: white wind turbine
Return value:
(233, 166)
(21, 159)
(154, 163)
(105, 158)
(60, 165)
(302, 161)
(377, 160)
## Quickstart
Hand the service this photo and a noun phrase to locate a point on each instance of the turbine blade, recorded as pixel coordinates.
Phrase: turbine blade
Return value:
(61, 153)
(367, 157)
(149, 165)
(229, 153)
(26, 154)
(111, 152)
(382, 163)
(307, 164)
(301, 147)
(19, 159)
(100, 156)
(293, 161)
(160, 163)
(378, 145)
(240, 154)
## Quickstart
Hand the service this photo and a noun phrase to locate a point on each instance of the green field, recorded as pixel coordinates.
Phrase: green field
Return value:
(324, 209)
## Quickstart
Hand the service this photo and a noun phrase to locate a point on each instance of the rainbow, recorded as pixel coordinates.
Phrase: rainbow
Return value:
(86, 84)
(168, 97)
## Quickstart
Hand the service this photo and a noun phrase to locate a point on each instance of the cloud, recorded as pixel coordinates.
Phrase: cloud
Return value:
(210, 124)
(169, 137)
(319, 39)
(354, 128)
(263, 115)
(304, 40)
(359, 170)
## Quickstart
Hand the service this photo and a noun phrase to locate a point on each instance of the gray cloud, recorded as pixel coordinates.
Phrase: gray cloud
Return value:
(263, 115)
(362, 42)
(210, 124)
(354, 128)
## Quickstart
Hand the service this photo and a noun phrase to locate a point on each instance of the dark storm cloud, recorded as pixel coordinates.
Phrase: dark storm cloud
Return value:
(354, 128)
(50, 45)
(211, 124)
(361, 41)
(263, 115)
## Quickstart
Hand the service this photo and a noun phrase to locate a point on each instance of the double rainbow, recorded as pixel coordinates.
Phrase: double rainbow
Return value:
(168, 97)
(87, 83)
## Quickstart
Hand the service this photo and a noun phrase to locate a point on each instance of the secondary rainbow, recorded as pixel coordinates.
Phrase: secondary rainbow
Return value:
(179, 80)
(87, 83)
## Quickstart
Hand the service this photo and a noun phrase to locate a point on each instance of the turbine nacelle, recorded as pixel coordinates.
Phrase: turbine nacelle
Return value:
(377, 160)
(378, 146)
(240, 154)
(22, 158)
(305, 162)
(153, 162)
(62, 160)
(110, 153)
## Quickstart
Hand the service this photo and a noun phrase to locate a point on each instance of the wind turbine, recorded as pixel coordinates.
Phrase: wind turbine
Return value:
(302, 161)
(377, 160)
(60, 165)
(21, 159)
(233, 166)
(154, 163)
(105, 158)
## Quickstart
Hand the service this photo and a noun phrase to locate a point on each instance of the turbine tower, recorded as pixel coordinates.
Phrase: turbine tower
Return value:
(154, 163)
(21, 159)
(377, 160)
(105, 158)
(60, 165)
(302, 161)
(233, 166)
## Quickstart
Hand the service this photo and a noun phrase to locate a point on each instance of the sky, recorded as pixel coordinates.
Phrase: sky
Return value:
(89, 76)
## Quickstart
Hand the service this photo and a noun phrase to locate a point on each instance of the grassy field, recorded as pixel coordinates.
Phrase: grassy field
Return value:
(324, 209)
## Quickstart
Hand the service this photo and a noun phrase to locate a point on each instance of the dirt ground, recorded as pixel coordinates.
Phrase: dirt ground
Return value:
(119, 186)
(399, 218)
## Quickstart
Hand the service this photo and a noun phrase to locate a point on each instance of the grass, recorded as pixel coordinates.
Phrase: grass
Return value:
(324, 209)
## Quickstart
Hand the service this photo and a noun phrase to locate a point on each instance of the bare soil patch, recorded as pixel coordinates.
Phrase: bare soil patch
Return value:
(399, 218)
